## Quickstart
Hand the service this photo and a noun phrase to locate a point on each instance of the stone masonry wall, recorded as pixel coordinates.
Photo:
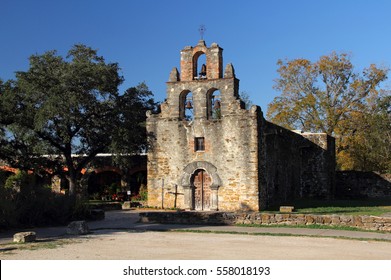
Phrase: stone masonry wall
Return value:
(231, 145)
(253, 163)
(357, 184)
(297, 165)
(231, 218)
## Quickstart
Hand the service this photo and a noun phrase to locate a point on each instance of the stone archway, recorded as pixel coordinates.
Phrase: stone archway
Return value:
(190, 173)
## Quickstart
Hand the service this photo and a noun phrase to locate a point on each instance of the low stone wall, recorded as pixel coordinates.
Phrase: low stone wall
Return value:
(231, 218)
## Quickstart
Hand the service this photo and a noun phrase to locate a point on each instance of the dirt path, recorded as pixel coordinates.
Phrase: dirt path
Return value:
(181, 245)
(119, 236)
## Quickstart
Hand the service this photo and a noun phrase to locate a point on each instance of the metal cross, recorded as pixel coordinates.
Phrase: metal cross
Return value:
(202, 30)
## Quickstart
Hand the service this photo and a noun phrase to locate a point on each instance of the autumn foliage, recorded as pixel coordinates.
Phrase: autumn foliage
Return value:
(330, 96)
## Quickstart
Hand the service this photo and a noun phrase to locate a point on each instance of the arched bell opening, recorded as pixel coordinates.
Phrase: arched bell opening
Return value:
(199, 66)
(213, 98)
(186, 103)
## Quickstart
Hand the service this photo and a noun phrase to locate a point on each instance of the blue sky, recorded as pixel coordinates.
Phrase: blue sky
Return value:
(145, 36)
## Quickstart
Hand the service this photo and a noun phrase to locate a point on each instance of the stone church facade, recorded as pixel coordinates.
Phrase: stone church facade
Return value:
(208, 152)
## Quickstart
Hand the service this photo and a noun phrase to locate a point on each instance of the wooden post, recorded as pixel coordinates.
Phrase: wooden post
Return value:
(162, 193)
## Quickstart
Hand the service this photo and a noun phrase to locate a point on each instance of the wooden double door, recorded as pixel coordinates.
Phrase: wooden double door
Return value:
(202, 192)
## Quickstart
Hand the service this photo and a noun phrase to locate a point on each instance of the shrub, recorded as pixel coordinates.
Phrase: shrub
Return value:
(25, 204)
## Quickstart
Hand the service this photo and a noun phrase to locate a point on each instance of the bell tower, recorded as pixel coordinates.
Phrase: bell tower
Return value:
(189, 62)
(201, 137)
(201, 90)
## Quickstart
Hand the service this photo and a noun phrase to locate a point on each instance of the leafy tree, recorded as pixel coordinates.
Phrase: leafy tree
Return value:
(366, 144)
(326, 96)
(66, 106)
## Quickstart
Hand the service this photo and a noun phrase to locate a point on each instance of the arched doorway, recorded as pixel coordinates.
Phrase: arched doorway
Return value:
(201, 174)
(202, 181)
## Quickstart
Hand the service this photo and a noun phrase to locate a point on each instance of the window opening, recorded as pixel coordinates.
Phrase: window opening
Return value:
(199, 144)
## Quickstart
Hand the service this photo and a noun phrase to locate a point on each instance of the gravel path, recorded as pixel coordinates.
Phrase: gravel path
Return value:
(120, 237)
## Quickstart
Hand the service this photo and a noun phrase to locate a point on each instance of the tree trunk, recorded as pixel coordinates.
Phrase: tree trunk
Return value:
(72, 185)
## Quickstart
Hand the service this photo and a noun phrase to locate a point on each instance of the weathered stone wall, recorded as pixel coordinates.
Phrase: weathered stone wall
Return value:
(231, 218)
(214, 61)
(356, 184)
(231, 145)
(253, 163)
(297, 165)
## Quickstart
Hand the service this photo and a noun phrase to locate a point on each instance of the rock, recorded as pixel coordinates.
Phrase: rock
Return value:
(78, 228)
(23, 237)
(126, 205)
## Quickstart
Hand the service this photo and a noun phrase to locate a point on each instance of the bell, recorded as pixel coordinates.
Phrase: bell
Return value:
(217, 104)
(203, 70)
(188, 105)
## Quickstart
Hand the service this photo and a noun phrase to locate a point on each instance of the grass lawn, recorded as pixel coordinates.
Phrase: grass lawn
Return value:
(374, 207)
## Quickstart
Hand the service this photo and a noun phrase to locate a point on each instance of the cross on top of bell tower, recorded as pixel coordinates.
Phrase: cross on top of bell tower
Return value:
(202, 30)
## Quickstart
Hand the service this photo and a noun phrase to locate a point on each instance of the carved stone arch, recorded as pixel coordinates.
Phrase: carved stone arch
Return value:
(186, 183)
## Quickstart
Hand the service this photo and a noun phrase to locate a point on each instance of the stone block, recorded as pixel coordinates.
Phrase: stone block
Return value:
(357, 221)
(78, 228)
(23, 237)
(335, 220)
(327, 219)
(346, 220)
(309, 220)
(265, 218)
(368, 219)
(300, 219)
(287, 209)
(126, 205)
(278, 218)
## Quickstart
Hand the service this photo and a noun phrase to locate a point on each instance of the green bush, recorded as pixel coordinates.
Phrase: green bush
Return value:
(25, 204)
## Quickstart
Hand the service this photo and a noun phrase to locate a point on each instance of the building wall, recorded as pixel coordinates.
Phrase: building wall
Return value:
(231, 146)
(297, 164)
(363, 185)
(253, 163)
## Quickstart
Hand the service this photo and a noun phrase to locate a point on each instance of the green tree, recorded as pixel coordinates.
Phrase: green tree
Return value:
(366, 144)
(325, 96)
(66, 106)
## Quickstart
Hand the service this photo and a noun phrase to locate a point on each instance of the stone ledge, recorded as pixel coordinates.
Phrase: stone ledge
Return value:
(232, 218)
